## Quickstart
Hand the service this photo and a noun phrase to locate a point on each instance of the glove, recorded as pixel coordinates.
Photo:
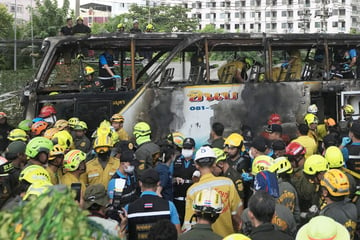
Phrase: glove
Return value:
(313, 209)
(247, 177)
(346, 67)
(116, 76)
(345, 141)
(284, 65)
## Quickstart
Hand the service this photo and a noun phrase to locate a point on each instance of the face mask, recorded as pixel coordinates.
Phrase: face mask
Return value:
(129, 169)
(187, 153)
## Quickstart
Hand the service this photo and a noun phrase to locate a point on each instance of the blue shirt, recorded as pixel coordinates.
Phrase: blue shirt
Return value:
(352, 53)
(111, 184)
(345, 152)
(102, 58)
(165, 181)
(174, 216)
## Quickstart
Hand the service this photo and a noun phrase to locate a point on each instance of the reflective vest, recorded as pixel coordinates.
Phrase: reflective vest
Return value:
(183, 169)
(354, 158)
(145, 212)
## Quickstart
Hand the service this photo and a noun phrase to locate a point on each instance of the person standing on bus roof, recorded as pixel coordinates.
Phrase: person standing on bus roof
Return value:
(135, 28)
(80, 28)
(68, 29)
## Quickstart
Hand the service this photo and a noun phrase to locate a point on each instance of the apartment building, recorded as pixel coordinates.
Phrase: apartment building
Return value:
(21, 7)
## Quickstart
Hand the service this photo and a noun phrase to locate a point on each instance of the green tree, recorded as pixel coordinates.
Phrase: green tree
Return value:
(6, 23)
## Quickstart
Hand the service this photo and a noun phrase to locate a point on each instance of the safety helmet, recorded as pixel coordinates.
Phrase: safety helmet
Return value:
(120, 25)
(348, 109)
(236, 236)
(37, 188)
(57, 150)
(47, 111)
(73, 121)
(3, 115)
(79, 18)
(220, 155)
(63, 138)
(102, 144)
(81, 125)
(208, 201)
(149, 27)
(330, 122)
(315, 164)
(73, 159)
(235, 140)
(281, 165)
(117, 118)
(141, 129)
(310, 119)
(261, 163)
(88, 70)
(274, 119)
(37, 119)
(38, 145)
(25, 125)
(312, 109)
(38, 127)
(176, 138)
(205, 155)
(334, 157)
(336, 182)
(61, 124)
(49, 133)
(295, 149)
(17, 135)
(34, 173)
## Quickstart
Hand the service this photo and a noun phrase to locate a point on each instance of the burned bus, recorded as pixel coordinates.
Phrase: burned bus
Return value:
(187, 81)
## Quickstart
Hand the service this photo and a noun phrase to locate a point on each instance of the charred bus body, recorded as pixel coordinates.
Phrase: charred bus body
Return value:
(192, 80)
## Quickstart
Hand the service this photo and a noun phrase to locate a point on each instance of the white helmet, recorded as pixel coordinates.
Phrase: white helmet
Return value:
(312, 109)
(205, 153)
(208, 201)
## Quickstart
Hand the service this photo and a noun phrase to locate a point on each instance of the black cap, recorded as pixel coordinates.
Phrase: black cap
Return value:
(278, 145)
(150, 176)
(355, 128)
(127, 156)
(259, 143)
(189, 143)
(274, 128)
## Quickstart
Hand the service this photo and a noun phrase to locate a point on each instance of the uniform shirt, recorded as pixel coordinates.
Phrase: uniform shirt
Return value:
(90, 86)
(123, 135)
(289, 198)
(54, 177)
(218, 143)
(200, 232)
(307, 192)
(96, 174)
(165, 181)
(313, 135)
(184, 169)
(267, 231)
(237, 180)
(230, 198)
(68, 178)
(81, 28)
(308, 143)
(351, 155)
(82, 143)
(145, 156)
(243, 163)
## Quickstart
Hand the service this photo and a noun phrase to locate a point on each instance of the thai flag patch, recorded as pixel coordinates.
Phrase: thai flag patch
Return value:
(207, 203)
(148, 205)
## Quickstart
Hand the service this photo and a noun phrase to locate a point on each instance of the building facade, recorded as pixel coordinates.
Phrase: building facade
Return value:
(21, 7)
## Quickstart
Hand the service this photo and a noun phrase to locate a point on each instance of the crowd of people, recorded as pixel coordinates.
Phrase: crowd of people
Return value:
(235, 187)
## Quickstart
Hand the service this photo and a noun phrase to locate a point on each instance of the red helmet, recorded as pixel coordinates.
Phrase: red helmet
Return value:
(38, 127)
(295, 149)
(46, 111)
(274, 119)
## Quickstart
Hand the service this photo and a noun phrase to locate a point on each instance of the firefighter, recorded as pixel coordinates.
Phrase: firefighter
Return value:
(37, 151)
(89, 84)
(236, 155)
(348, 112)
(312, 121)
(305, 140)
(17, 135)
(184, 168)
(101, 168)
(39, 128)
(312, 109)
(295, 153)
(334, 189)
(147, 152)
(81, 141)
(120, 28)
(26, 126)
(149, 208)
(15, 153)
(117, 121)
(64, 139)
(55, 163)
(48, 114)
(176, 139)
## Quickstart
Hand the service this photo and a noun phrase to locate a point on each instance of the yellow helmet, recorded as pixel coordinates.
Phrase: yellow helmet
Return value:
(117, 118)
(79, 18)
(334, 157)
(236, 236)
(310, 119)
(49, 133)
(208, 201)
(73, 121)
(281, 165)
(336, 182)
(88, 70)
(73, 159)
(102, 144)
(64, 139)
(17, 135)
(149, 27)
(120, 25)
(348, 109)
(261, 163)
(57, 150)
(37, 188)
(34, 173)
(220, 155)
(141, 129)
(81, 125)
(235, 140)
(315, 164)
(61, 124)
(176, 138)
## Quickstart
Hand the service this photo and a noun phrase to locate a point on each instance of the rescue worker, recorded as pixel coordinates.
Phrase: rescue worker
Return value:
(48, 114)
(31, 174)
(312, 121)
(106, 66)
(279, 148)
(7, 185)
(274, 119)
(89, 84)
(351, 59)
(351, 148)
(55, 163)
(72, 122)
(348, 112)
(25, 125)
(312, 109)
(117, 122)
(305, 140)
(322, 227)
(149, 208)
(80, 28)
(287, 192)
(295, 153)
(334, 190)
(120, 28)
(15, 153)
(216, 135)
(261, 163)
(147, 152)
(236, 236)
(64, 139)
(184, 168)
(126, 172)
(37, 151)
(274, 132)
(135, 28)
(258, 147)
(5, 129)
(176, 139)
(222, 168)
(39, 128)
(236, 156)
(17, 135)
(207, 207)
(81, 141)
(230, 217)
(73, 166)
(49, 133)
(101, 168)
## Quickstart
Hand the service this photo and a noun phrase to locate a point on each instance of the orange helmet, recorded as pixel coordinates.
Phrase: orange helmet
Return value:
(38, 127)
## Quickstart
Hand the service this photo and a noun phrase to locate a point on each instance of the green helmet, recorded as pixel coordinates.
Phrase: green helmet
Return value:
(220, 154)
(141, 129)
(81, 125)
(73, 159)
(73, 121)
(25, 125)
(37, 145)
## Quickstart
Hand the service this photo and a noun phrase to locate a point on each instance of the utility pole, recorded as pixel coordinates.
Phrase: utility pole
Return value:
(15, 20)
(77, 8)
(32, 35)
